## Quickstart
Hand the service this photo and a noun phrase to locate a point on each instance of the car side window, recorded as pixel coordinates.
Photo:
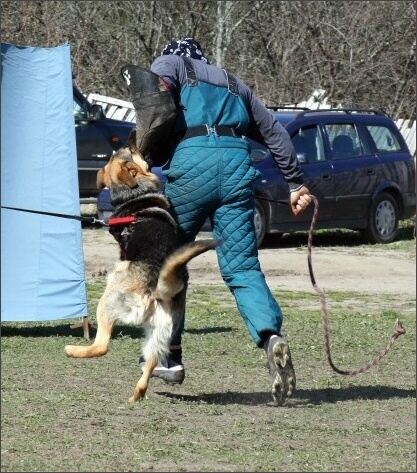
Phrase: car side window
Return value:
(384, 138)
(344, 140)
(308, 144)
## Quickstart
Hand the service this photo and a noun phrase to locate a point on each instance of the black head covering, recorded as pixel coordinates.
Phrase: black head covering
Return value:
(188, 47)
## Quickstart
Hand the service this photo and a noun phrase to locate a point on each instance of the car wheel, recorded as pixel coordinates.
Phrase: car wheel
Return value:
(383, 220)
(260, 222)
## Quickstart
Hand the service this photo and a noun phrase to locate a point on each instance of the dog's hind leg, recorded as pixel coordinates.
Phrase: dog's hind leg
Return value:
(158, 332)
(101, 342)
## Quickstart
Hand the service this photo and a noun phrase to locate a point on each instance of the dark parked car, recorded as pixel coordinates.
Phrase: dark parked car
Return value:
(355, 162)
(97, 138)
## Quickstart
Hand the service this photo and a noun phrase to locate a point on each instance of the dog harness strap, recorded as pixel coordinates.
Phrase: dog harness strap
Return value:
(121, 229)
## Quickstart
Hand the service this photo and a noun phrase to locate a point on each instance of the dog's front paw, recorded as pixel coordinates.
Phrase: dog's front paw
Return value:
(91, 351)
(69, 350)
(74, 351)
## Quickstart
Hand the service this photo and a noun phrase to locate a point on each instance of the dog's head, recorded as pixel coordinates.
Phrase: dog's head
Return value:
(127, 171)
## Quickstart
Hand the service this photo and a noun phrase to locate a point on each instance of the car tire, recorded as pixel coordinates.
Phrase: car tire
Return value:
(260, 222)
(383, 220)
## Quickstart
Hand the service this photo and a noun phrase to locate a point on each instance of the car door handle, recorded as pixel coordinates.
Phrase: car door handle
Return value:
(326, 177)
(370, 172)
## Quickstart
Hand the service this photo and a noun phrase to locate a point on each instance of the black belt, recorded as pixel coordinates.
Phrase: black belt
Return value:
(205, 130)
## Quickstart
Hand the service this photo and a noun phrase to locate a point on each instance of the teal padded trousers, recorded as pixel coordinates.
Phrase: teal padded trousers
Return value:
(211, 177)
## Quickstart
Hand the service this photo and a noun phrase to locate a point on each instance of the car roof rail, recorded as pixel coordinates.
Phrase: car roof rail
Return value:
(348, 111)
(305, 110)
(285, 107)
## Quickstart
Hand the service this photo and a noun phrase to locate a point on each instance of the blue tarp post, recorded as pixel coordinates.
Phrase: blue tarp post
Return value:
(42, 260)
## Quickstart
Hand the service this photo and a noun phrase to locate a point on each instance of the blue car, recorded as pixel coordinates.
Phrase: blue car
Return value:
(354, 161)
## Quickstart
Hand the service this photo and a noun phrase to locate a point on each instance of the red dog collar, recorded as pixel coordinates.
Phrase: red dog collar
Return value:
(121, 220)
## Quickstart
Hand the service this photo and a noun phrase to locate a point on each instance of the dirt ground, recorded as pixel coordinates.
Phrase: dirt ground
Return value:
(373, 269)
(61, 414)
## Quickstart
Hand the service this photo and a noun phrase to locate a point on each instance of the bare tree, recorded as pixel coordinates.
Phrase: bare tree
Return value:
(362, 53)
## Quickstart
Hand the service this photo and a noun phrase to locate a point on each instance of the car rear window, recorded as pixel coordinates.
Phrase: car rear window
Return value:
(384, 138)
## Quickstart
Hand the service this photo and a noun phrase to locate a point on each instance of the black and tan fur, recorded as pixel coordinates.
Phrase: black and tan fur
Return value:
(147, 287)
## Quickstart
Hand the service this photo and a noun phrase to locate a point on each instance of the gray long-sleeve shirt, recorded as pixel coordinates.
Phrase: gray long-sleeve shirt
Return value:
(263, 125)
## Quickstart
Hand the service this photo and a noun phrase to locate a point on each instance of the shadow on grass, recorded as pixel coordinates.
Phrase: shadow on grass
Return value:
(328, 238)
(64, 330)
(303, 397)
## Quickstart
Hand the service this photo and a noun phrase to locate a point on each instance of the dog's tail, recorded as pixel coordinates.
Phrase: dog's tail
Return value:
(171, 276)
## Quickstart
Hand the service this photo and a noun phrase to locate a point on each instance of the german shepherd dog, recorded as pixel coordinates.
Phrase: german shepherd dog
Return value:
(147, 287)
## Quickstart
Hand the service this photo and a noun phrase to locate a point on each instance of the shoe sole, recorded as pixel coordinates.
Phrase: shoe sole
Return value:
(284, 381)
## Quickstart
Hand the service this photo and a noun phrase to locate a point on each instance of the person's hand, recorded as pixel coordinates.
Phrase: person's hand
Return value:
(299, 200)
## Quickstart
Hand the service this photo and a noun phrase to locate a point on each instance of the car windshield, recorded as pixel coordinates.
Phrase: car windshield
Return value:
(79, 110)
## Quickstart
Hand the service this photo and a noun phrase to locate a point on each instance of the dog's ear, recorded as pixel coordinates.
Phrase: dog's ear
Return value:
(101, 179)
(127, 174)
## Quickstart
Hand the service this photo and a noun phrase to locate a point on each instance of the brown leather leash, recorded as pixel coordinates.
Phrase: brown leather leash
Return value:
(398, 330)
